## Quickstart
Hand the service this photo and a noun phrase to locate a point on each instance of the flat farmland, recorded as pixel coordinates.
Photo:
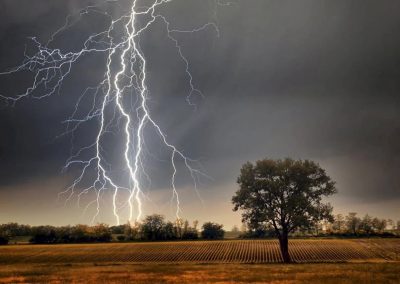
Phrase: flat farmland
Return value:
(226, 251)
(228, 261)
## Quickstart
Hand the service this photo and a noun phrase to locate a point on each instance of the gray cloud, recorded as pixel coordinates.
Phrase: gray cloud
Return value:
(305, 79)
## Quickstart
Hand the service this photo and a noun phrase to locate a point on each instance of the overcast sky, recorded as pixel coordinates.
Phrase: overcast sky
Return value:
(303, 79)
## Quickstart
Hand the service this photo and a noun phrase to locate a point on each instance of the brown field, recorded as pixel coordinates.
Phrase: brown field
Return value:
(229, 261)
(324, 273)
(228, 251)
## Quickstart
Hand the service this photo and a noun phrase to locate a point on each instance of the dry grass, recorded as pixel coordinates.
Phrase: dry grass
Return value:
(206, 273)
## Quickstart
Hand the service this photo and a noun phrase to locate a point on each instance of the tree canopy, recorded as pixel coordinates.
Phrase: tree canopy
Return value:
(212, 231)
(284, 194)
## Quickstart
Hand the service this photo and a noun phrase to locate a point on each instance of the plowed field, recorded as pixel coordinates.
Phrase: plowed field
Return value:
(227, 251)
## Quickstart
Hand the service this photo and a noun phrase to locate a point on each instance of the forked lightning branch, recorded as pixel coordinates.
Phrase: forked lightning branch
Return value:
(125, 74)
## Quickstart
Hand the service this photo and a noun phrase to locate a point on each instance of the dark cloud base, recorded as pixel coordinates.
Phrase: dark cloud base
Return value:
(310, 79)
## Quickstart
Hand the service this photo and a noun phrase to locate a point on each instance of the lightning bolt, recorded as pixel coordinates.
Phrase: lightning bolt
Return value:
(125, 77)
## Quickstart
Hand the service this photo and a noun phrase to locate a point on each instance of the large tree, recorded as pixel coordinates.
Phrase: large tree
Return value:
(284, 194)
(153, 227)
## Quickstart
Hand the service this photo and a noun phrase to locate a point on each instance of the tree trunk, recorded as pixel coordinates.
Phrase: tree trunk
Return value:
(284, 246)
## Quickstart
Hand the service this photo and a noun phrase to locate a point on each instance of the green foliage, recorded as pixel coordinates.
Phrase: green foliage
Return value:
(43, 235)
(285, 195)
(212, 231)
(154, 227)
(353, 223)
(190, 235)
(132, 232)
(379, 225)
(338, 223)
(11, 230)
(101, 233)
(71, 234)
(262, 231)
(366, 224)
(117, 229)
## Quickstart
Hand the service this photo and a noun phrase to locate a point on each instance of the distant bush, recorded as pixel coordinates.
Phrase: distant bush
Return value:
(154, 227)
(117, 229)
(100, 233)
(121, 238)
(11, 230)
(190, 235)
(258, 234)
(71, 234)
(388, 235)
(43, 235)
(3, 240)
(212, 231)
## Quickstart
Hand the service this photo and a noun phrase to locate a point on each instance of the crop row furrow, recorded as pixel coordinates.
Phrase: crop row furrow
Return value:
(234, 251)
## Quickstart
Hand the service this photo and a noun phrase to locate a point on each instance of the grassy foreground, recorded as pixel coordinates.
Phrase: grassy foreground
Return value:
(388, 272)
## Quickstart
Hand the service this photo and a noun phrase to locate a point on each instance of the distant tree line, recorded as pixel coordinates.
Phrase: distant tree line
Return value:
(153, 228)
(361, 226)
(52, 234)
(350, 225)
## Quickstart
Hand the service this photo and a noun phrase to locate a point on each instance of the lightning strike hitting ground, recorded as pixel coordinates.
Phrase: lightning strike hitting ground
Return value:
(125, 76)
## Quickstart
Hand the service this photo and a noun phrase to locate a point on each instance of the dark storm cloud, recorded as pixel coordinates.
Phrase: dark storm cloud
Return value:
(305, 79)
